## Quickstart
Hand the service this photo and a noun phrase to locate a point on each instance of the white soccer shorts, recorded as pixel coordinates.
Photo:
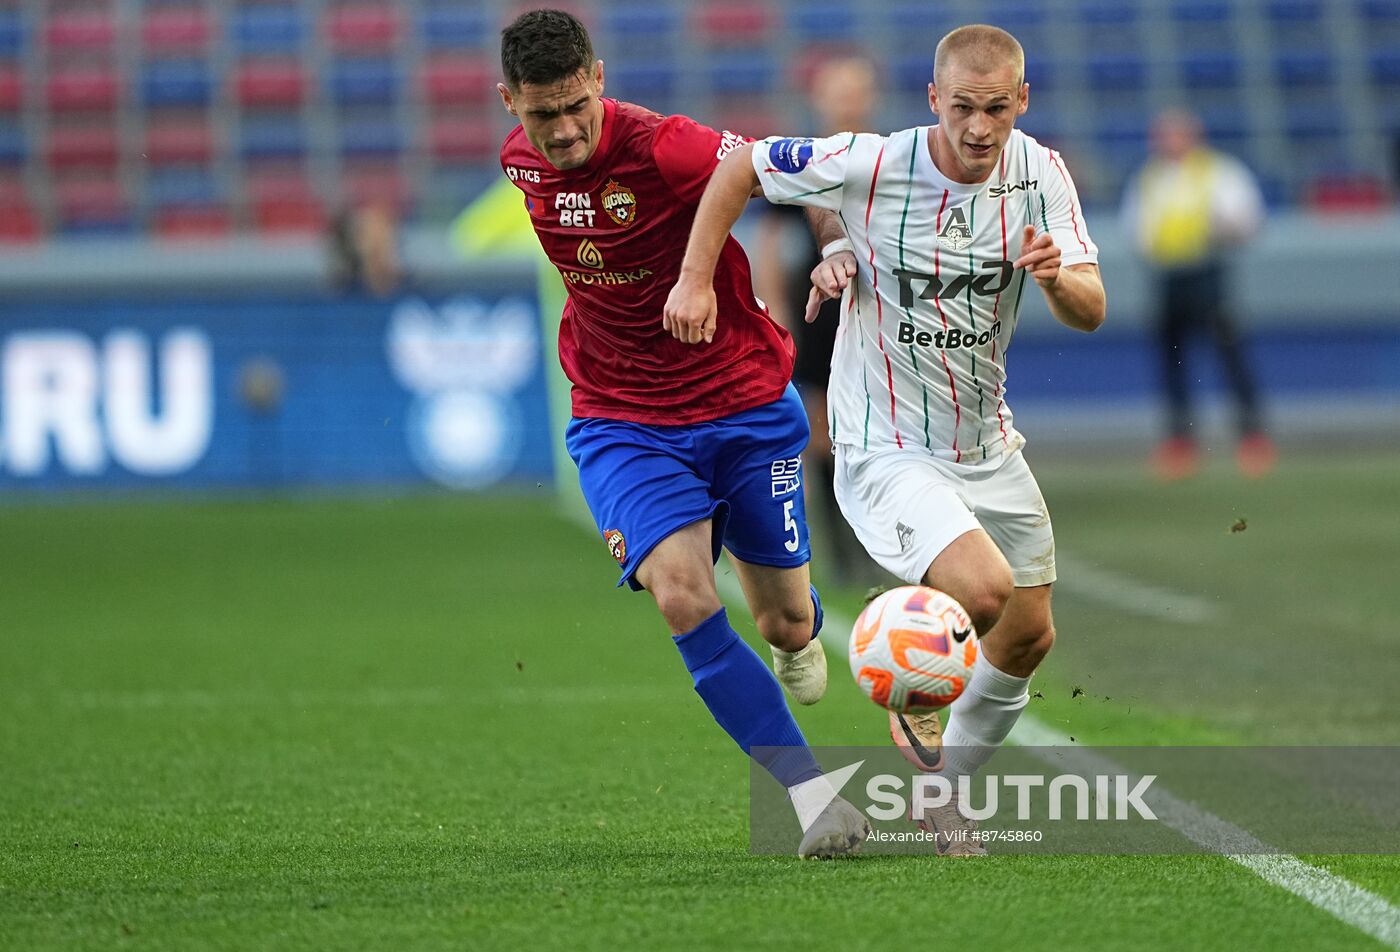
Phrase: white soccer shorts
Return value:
(907, 506)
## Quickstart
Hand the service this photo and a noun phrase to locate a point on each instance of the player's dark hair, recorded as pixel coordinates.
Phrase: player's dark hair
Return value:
(543, 47)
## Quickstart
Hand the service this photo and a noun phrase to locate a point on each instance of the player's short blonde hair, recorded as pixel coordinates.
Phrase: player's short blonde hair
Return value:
(982, 47)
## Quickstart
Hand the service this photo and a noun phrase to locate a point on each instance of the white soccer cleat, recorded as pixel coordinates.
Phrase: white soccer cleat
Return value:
(953, 834)
(802, 672)
(840, 830)
(919, 738)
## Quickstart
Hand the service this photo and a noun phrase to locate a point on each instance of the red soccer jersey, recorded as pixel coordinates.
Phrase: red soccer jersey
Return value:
(616, 228)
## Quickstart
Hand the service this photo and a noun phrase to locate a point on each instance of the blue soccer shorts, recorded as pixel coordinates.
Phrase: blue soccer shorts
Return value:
(642, 483)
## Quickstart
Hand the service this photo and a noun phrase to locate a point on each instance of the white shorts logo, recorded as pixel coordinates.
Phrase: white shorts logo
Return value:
(786, 475)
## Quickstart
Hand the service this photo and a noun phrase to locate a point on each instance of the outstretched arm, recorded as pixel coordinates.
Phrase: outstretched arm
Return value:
(690, 309)
(1075, 293)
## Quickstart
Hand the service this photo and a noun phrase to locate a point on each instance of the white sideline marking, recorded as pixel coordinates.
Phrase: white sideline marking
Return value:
(1340, 897)
(1327, 891)
(1129, 595)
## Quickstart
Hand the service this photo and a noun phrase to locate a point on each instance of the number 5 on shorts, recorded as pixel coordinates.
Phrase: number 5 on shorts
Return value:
(790, 525)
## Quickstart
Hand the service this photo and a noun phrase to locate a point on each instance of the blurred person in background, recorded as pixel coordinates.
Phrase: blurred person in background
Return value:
(364, 246)
(843, 91)
(1187, 210)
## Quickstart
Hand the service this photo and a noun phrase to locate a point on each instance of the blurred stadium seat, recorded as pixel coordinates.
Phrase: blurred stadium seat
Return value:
(92, 206)
(1299, 68)
(268, 28)
(272, 136)
(376, 135)
(14, 148)
(12, 31)
(283, 201)
(179, 142)
(81, 88)
(270, 82)
(80, 30)
(448, 26)
(184, 222)
(364, 81)
(1210, 69)
(11, 88)
(724, 24)
(455, 78)
(177, 82)
(455, 139)
(823, 21)
(649, 20)
(363, 26)
(82, 147)
(182, 29)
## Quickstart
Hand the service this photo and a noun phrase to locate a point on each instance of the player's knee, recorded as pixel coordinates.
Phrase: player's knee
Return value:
(1028, 649)
(684, 602)
(1039, 646)
(787, 627)
(986, 604)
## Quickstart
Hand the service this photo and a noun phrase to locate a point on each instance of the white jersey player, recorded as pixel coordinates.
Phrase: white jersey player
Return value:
(943, 225)
(921, 358)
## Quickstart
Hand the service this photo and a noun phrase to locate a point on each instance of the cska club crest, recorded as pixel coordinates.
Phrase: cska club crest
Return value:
(620, 203)
(617, 545)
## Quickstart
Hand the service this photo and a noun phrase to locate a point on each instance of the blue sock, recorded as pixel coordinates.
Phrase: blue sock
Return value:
(745, 698)
(817, 605)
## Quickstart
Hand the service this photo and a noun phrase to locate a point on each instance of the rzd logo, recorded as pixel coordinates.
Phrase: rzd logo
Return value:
(934, 287)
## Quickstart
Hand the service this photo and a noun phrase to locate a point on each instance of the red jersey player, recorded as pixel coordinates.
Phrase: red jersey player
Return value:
(682, 445)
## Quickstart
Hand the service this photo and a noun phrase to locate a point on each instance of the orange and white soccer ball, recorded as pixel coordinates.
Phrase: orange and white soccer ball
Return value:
(912, 649)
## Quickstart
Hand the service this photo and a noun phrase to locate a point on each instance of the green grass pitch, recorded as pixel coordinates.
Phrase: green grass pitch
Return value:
(431, 722)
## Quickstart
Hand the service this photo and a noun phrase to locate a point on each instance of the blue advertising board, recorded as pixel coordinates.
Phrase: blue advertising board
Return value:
(227, 390)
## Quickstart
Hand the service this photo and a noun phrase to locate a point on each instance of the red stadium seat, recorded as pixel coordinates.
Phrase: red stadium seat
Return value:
(176, 29)
(80, 30)
(749, 120)
(458, 139)
(363, 26)
(179, 143)
(1348, 195)
(82, 88)
(83, 147)
(734, 23)
(283, 202)
(18, 223)
(454, 79)
(90, 199)
(377, 185)
(270, 83)
(11, 88)
(183, 222)
(302, 216)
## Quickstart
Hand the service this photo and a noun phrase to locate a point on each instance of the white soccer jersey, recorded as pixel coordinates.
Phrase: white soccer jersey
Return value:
(920, 357)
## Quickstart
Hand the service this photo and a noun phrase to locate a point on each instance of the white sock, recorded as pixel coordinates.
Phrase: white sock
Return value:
(980, 719)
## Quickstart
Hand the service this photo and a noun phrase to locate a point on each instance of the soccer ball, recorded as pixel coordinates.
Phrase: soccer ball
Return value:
(912, 649)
